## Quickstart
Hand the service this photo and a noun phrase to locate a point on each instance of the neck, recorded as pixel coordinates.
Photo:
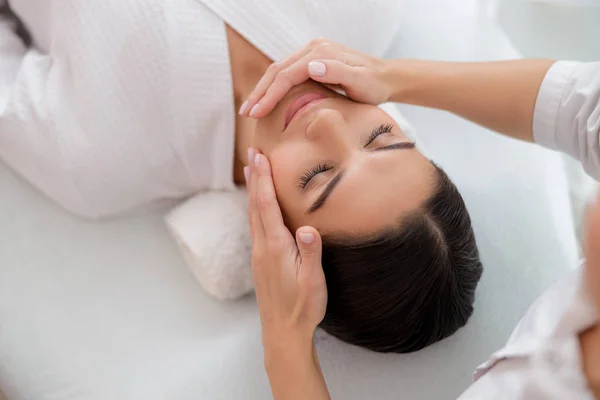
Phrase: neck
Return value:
(248, 65)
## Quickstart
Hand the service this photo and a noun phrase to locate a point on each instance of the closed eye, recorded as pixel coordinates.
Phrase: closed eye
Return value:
(311, 173)
(375, 133)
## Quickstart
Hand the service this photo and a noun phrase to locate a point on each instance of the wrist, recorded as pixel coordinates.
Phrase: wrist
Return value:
(295, 373)
(282, 350)
(423, 83)
(410, 81)
(392, 78)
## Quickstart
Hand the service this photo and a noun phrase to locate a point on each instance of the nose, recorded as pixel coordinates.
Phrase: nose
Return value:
(328, 125)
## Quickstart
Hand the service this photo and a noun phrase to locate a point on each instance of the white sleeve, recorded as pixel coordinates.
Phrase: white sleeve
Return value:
(542, 359)
(502, 383)
(567, 112)
(546, 377)
(12, 52)
(35, 116)
(110, 113)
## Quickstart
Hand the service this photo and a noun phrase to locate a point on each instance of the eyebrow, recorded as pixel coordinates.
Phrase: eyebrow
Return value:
(336, 181)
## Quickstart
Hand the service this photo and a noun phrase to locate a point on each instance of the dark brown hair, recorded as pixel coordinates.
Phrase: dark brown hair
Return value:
(19, 28)
(407, 287)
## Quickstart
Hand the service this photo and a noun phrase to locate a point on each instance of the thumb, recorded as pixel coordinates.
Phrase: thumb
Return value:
(310, 247)
(333, 72)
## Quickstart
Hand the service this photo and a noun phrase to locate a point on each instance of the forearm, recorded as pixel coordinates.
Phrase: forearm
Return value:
(295, 373)
(498, 95)
(590, 351)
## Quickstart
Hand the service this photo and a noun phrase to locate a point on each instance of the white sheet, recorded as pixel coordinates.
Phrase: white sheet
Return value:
(109, 311)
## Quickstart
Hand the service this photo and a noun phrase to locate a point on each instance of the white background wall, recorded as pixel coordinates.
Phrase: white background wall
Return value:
(560, 29)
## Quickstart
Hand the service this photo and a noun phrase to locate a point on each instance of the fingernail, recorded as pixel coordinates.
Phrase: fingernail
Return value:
(306, 237)
(243, 107)
(250, 154)
(247, 174)
(253, 111)
(317, 68)
(257, 160)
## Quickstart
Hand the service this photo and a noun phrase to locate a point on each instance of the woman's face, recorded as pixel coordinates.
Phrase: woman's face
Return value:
(341, 166)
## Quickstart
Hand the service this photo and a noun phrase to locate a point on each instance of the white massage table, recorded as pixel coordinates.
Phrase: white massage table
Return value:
(98, 311)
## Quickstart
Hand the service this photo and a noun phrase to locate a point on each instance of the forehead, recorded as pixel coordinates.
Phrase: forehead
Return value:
(375, 192)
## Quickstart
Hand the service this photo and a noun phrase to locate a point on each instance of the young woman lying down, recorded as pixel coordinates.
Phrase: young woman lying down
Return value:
(118, 105)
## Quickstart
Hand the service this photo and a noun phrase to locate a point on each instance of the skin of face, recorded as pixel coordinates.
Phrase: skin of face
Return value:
(378, 183)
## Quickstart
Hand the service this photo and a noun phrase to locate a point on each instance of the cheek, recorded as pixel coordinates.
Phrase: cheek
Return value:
(282, 165)
(265, 136)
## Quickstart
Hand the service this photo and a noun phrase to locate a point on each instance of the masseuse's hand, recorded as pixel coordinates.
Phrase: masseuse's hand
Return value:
(290, 290)
(361, 76)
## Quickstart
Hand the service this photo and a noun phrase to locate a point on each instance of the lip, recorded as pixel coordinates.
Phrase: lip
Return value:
(301, 105)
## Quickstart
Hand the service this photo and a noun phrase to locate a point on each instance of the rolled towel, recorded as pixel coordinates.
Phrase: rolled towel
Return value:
(211, 230)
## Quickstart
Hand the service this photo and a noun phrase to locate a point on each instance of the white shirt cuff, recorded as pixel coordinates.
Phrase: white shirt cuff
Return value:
(548, 102)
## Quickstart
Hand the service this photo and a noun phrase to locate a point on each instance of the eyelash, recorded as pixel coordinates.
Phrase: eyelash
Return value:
(308, 175)
(380, 130)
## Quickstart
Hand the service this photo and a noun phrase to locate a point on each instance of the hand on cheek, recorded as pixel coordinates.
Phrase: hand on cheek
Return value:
(288, 277)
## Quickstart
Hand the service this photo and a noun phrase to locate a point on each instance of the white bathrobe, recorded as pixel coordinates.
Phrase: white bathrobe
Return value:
(119, 104)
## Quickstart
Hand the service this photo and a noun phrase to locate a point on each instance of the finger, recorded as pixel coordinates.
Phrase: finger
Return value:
(267, 79)
(268, 207)
(335, 72)
(290, 74)
(330, 71)
(593, 254)
(310, 247)
(247, 176)
(279, 87)
(258, 232)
